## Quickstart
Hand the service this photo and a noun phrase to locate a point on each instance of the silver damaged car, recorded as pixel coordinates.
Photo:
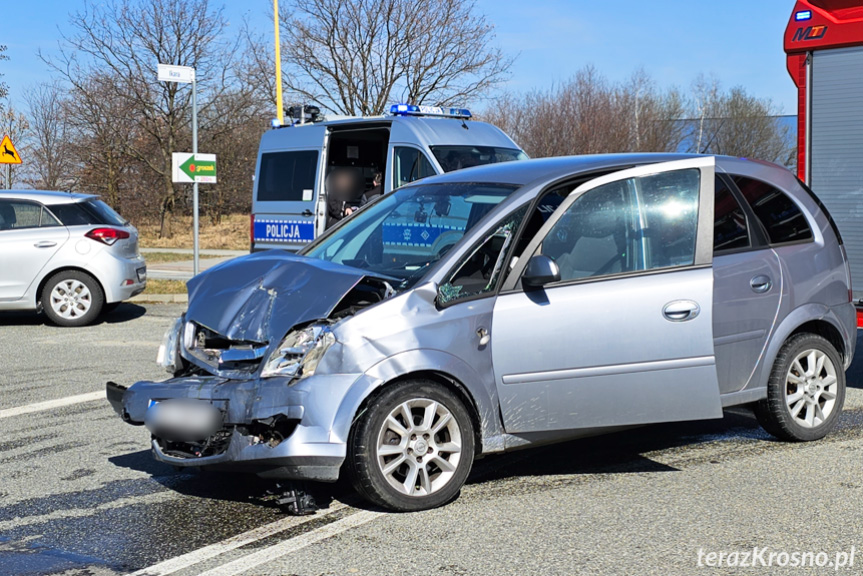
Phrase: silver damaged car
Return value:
(504, 306)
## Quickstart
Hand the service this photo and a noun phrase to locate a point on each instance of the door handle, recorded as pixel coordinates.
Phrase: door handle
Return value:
(483, 336)
(681, 310)
(306, 212)
(761, 283)
(45, 244)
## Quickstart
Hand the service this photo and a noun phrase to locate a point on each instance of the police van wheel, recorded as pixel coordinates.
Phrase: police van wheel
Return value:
(412, 448)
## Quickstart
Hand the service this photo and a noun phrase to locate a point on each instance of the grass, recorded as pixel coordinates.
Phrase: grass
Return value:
(161, 257)
(165, 287)
(231, 234)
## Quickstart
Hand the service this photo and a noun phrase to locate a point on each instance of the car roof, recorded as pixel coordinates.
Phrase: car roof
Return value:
(46, 196)
(418, 130)
(524, 172)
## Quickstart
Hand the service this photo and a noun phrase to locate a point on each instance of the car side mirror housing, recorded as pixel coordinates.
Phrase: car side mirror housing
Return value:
(540, 270)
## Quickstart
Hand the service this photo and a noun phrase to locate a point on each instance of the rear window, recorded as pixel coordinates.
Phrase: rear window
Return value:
(457, 157)
(729, 221)
(87, 213)
(782, 219)
(287, 176)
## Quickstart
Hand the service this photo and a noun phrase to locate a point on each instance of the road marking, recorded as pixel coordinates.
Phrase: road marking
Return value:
(207, 552)
(51, 404)
(288, 546)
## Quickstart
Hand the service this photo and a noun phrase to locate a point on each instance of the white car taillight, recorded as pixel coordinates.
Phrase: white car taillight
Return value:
(107, 236)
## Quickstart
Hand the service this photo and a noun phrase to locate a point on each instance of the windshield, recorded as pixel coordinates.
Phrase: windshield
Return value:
(405, 232)
(457, 157)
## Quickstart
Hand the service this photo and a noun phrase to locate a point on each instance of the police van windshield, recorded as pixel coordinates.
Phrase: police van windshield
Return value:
(457, 157)
(403, 234)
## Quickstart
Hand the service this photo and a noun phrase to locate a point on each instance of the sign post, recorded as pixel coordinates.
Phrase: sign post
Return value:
(8, 156)
(186, 75)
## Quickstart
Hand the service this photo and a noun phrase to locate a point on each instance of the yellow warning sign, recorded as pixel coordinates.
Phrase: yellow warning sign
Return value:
(8, 154)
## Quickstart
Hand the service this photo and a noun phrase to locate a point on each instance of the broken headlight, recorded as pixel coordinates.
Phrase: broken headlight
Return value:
(168, 356)
(299, 353)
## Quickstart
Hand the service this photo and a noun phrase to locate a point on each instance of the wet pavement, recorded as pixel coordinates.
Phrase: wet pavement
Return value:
(81, 495)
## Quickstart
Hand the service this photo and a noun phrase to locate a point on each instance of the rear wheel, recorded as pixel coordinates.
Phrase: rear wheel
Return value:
(806, 390)
(413, 447)
(72, 298)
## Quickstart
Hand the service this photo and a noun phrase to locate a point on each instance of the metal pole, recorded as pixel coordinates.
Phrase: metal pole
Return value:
(807, 143)
(8, 176)
(195, 156)
(280, 107)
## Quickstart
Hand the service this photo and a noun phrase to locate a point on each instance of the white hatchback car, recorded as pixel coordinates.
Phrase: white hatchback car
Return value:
(70, 255)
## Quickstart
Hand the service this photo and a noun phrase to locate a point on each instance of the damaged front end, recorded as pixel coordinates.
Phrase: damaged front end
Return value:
(242, 356)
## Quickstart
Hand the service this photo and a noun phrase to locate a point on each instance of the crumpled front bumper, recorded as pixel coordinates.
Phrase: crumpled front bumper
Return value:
(307, 411)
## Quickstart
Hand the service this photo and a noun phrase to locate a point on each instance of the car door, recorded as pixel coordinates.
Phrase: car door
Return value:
(747, 289)
(29, 238)
(288, 211)
(625, 336)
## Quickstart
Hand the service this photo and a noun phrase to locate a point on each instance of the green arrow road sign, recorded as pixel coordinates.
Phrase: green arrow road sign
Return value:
(194, 168)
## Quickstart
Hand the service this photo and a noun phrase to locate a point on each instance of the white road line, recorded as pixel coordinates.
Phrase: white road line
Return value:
(284, 548)
(213, 550)
(51, 404)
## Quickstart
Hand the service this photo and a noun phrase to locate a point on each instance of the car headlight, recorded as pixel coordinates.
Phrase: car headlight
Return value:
(168, 356)
(299, 353)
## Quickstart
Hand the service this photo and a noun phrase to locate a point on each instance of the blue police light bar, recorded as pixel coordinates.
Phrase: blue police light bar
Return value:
(275, 123)
(803, 15)
(414, 110)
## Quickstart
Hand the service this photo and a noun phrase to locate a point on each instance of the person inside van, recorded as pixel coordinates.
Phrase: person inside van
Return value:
(376, 189)
(343, 185)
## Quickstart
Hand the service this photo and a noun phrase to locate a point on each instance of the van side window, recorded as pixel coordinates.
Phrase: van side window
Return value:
(782, 219)
(287, 176)
(730, 231)
(409, 164)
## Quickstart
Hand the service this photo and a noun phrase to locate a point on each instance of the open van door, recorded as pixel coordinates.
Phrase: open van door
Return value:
(288, 206)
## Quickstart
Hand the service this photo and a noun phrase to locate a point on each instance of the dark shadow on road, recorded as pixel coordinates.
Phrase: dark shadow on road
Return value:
(122, 313)
(854, 374)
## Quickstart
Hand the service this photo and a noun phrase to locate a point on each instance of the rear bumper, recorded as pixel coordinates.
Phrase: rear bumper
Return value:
(269, 428)
(114, 273)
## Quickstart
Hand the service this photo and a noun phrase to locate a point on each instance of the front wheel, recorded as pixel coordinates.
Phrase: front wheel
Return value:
(805, 392)
(413, 447)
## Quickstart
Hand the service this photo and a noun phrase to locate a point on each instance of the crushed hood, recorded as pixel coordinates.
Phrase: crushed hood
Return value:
(260, 297)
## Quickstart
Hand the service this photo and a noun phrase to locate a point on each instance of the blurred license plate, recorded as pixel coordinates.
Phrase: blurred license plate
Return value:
(142, 274)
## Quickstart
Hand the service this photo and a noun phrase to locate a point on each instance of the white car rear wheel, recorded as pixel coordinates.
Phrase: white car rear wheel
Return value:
(72, 298)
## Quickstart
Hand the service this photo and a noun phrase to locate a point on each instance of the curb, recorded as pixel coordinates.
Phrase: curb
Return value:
(160, 298)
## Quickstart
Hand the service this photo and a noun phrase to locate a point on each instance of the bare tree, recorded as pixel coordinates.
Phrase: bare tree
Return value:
(4, 89)
(736, 123)
(50, 151)
(126, 39)
(589, 115)
(15, 125)
(355, 56)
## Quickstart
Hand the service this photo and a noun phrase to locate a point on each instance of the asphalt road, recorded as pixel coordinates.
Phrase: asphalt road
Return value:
(80, 494)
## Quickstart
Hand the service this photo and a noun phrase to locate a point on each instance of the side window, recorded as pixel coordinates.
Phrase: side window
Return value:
(730, 231)
(481, 271)
(287, 176)
(17, 215)
(641, 223)
(409, 164)
(782, 219)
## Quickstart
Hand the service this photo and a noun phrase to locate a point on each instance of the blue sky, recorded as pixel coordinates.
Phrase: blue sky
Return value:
(740, 42)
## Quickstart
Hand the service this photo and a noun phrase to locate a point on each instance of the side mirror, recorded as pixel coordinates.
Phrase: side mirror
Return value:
(540, 270)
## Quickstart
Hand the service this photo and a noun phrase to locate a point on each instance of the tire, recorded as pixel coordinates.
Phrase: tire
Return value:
(803, 403)
(72, 298)
(438, 457)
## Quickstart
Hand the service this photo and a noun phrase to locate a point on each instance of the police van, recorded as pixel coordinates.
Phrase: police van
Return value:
(289, 204)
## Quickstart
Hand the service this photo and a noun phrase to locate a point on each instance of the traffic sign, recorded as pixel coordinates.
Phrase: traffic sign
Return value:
(188, 168)
(8, 154)
(170, 73)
